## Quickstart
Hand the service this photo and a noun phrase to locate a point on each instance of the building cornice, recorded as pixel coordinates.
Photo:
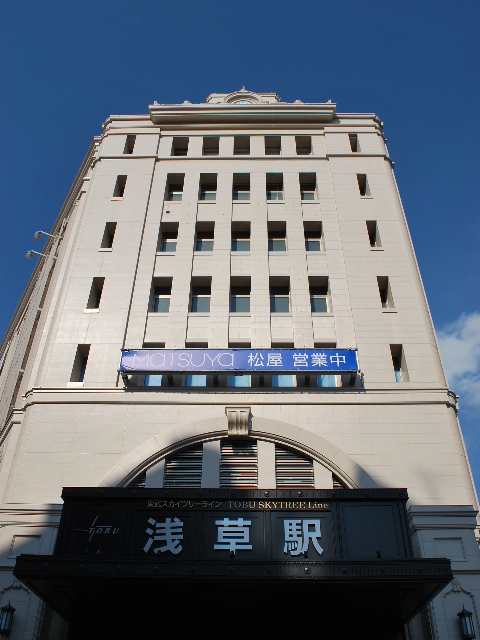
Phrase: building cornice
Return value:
(221, 114)
(373, 396)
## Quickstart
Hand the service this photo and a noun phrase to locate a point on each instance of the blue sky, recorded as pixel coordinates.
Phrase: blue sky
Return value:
(65, 67)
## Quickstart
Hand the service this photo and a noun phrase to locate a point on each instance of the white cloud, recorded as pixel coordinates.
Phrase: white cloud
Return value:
(460, 347)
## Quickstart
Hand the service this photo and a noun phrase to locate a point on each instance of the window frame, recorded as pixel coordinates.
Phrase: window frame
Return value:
(200, 293)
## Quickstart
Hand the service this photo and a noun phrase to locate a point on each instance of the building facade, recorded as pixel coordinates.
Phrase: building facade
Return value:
(229, 308)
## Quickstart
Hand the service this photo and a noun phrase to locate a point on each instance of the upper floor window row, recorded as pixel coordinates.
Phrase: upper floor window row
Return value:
(241, 146)
(240, 237)
(207, 191)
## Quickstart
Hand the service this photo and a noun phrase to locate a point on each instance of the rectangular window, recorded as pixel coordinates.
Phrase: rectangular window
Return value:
(313, 236)
(95, 293)
(277, 236)
(241, 146)
(120, 185)
(174, 190)
(308, 186)
(129, 145)
(283, 381)
(204, 236)
(240, 236)
(80, 363)
(399, 363)
(318, 294)
(274, 186)
(363, 184)
(240, 295)
(326, 382)
(211, 146)
(167, 242)
(373, 235)
(239, 381)
(196, 381)
(273, 145)
(180, 146)
(208, 187)
(279, 295)
(162, 291)
(241, 186)
(153, 380)
(354, 145)
(108, 235)
(200, 297)
(303, 145)
(161, 298)
(385, 291)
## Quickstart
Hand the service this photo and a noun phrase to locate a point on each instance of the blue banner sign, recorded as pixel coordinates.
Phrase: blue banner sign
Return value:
(273, 361)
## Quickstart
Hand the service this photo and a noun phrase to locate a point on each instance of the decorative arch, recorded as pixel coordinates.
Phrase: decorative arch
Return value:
(291, 436)
(242, 97)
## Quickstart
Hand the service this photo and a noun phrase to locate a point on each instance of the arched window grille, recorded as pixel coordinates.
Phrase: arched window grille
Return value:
(238, 467)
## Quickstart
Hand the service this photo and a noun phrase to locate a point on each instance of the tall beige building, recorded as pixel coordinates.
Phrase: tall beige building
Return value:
(229, 311)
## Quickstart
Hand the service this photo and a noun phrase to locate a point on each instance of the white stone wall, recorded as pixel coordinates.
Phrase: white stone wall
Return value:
(377, 432)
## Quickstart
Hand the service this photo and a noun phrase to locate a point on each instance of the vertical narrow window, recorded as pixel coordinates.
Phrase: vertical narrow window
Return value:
(303, 145)
(80, 363)
(129, 145)
(241, 146)
(208, 187)
(180, 146)
(204, 236)
(184, 469)
(174, 190)
(399, 363)
(319, 295)
(211, 146)
(292, 470)
(240, 295)
(238, 464)
(167, 241)
(354, 144)
(363, 186)
(108, 235)
(274, 186)
(273, 145)
(161, 293)
(308, 186)
(241, 186)
(373, 235)
(279, 295)
(313, 236)
(200, 295)
(95, 293)
(277, 236)
(385, 292)
(240, 236)
(120, 184)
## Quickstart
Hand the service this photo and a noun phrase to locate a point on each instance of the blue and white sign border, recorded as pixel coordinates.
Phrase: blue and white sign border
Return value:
(239, 361)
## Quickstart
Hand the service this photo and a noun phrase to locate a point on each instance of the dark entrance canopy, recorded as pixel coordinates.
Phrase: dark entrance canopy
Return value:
(130, 563)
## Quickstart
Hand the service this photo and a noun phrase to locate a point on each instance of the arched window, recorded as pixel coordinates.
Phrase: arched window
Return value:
(238, 464)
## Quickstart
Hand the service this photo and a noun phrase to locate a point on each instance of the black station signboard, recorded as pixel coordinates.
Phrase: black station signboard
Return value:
(182, 528)
(136, 547)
